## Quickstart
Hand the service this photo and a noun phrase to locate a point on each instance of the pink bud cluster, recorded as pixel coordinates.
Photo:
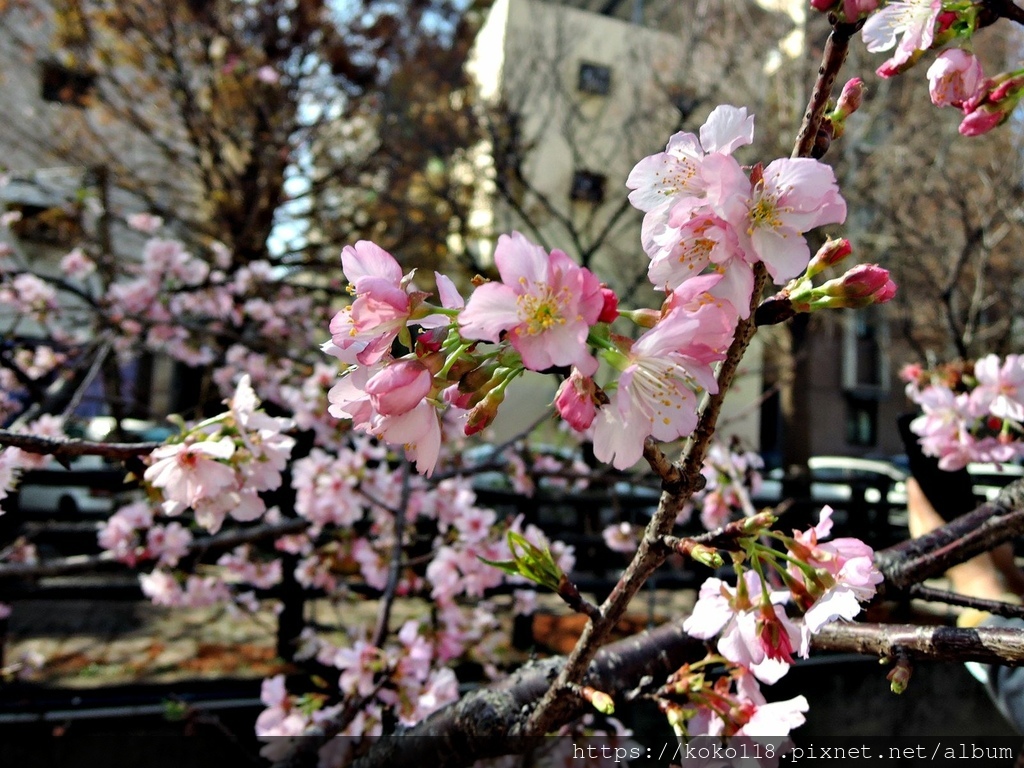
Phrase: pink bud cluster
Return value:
(970, 412)
(955, 78)
(861, 285)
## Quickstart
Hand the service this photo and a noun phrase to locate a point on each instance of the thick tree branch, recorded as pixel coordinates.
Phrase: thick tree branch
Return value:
(478, 725)
(915, 560)
(989, 645)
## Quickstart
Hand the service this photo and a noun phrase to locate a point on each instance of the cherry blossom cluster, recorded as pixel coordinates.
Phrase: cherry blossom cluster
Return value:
(220, 466)
(729, 707)
(359, 515)
(970, 411)
(824, 580)
(707, 222)
(756, 637)
(400, 678)
(955, 79)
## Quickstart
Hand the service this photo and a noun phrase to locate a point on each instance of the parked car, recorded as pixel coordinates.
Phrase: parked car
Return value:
(834, 478)
(989, 479)
(89, 487)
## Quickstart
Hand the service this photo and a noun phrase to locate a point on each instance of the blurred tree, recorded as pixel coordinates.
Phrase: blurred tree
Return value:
(271, 132)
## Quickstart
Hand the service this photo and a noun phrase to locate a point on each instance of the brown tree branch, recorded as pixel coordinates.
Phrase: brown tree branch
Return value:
(928, 556)
(988, 645)
(479, 724)
(66, 448)
(834, 56)
(82, 563)
(996, 607)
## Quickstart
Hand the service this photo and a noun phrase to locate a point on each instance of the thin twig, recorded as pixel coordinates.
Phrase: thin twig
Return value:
(80, 563)
(94, 369)
(380, 631)
(996, 607)
(832, 59)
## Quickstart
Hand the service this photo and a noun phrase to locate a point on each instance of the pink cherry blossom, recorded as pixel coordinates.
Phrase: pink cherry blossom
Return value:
(793, 196)
(673, 174)
(682, 252)
(77, 265)
(188, 472)
(656, 391)
(145, 222)
(1000, 387)
(764, 719)
(168, 543)
(845, 567)
(954, 78)
(545, 303)
(726, 611)
(417, 429)
(621, 538)
(364, 331)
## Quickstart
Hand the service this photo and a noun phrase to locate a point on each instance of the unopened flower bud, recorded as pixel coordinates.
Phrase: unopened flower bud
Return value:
(431, 340)
(610, 309)
(456, 398)
(483, 413)
(899, 676)
(992, 103)
(830, 254)
(849, 102)
(399, 387)
(851, 97)
(707, 556)
(575, 401)
(867, 282)
(758, 523)
(645, 318)
(476, 379)
(599, 700)
(862, 286)
(851, 10)
(701, 553)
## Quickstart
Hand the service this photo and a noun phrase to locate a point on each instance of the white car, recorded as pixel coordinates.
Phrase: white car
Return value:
(989, 479)
(833, 479)
(90, 487)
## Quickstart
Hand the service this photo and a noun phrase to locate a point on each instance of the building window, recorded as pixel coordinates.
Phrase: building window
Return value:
(861, 421)
(587, 187)
(64, 85)
(59, 226)
(595, 79)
